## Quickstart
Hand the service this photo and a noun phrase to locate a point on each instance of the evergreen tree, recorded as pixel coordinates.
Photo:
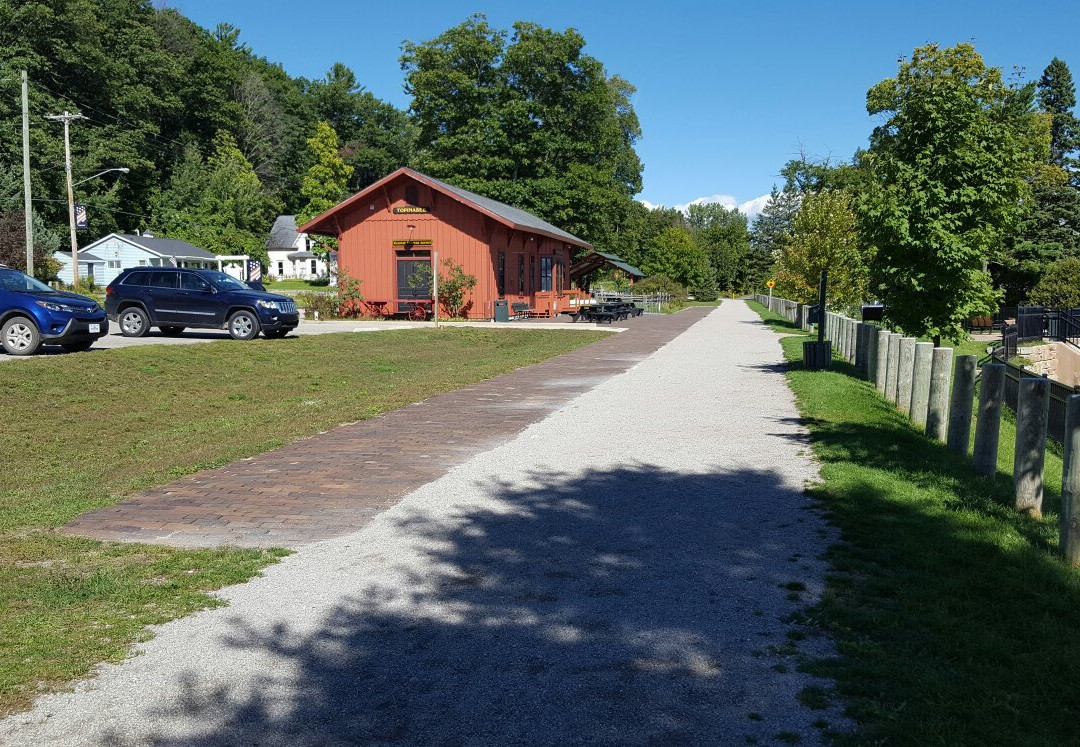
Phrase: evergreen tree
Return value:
(1057, 97)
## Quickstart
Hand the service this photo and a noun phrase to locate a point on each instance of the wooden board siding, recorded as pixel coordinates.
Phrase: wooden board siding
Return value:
(456, 231)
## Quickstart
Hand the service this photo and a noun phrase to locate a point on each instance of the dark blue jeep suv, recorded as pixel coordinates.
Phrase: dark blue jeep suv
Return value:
(33, 314)
(175, 298)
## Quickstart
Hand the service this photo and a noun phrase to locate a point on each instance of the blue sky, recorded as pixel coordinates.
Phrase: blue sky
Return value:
(727, 92)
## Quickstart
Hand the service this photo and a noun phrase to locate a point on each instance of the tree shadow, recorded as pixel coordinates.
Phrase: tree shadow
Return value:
(626, 606)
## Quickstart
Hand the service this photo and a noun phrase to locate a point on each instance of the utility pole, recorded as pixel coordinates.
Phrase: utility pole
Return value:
(27, 204)
(67, 118)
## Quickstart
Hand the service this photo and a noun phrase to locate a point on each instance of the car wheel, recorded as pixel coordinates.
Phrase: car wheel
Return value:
(133, 322)
(19, 336)
(172, 331)
(275, 334)
(243, 325)
(77, 347)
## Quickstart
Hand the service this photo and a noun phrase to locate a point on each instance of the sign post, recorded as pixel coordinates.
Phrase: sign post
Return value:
(771, 283)
(818, 355)
(435, 286)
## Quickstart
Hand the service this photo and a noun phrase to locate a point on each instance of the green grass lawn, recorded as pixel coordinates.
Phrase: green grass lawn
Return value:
(81, 431)
(955, 621)
(299, 285)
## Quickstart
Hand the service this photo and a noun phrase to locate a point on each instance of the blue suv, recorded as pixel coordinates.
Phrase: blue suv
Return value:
(175, 298)
(32, 314)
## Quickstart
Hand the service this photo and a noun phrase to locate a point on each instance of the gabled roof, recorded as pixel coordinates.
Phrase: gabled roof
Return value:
(283, 233)
(508, 215)
(167, 247)
(595, 260)
(158, 246)
(84, 256)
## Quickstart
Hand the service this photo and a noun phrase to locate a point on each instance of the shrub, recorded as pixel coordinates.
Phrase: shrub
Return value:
(454, 286)
(1058, 288)
(326, 304)
(350, 299)
(661, 284)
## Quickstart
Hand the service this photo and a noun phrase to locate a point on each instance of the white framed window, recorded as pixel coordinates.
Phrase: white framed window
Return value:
(280, 268)
(142, 263)
(313, 267)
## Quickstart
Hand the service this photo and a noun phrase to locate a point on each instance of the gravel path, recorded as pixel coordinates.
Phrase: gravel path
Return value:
(611, 576)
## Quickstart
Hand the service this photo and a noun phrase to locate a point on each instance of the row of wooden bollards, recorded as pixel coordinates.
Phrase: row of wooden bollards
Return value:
(938, 395)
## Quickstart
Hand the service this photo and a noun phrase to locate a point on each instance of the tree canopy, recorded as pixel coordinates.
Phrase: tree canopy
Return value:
(951, 166)
(530, 119)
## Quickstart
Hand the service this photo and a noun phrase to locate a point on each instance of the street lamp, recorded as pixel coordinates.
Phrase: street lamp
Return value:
(71, 218)
(121, 169)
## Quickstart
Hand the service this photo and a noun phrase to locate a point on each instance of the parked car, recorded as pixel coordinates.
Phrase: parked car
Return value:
(173, 299)
(32, 314)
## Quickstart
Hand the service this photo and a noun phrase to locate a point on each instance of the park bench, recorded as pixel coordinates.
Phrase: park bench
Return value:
(520, 310)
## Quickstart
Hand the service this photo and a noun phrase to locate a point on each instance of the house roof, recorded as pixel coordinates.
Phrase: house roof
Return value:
(302, 255)
(168, 247)
(83, 256)
(508, 215)
(595, 260)
(283, 233)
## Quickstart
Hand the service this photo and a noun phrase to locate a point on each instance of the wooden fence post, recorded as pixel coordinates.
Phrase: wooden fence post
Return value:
(1070, 484)
(937, 412)
(963, 394)
(988, 423)
(1032, 413)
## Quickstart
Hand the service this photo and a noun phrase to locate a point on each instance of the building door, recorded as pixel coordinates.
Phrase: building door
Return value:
(413, 281)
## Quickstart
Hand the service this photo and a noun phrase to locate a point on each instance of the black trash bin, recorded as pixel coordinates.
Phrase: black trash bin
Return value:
(502, 310)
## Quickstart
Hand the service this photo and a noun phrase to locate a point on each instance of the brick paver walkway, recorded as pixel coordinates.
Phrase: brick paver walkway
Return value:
(334, 483)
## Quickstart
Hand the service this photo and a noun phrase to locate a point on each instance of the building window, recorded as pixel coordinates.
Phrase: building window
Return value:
(545, 273)
(114, 264)
(412, 195)
(280, 268)
(560, 275)
(521, 274)
(142, 263)
(500, 276)
(313, 267)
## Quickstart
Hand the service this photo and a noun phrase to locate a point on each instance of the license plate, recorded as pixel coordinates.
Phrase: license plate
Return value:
(95, 328)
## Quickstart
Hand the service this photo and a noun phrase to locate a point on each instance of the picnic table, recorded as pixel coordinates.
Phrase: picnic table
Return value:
(606, 312)
(417, 309)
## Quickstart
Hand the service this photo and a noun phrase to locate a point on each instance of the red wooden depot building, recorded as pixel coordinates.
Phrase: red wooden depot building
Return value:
(388, 232)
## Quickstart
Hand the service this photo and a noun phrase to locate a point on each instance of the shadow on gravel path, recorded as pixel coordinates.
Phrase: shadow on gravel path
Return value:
(628, 606)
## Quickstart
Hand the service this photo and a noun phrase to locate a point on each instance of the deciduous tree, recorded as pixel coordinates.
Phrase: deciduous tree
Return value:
(950, 167)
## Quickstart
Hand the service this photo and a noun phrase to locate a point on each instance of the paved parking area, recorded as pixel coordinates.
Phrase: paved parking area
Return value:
(115, 340)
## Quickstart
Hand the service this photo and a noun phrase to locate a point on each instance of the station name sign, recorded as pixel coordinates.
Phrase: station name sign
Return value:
(411, 210)
(412, 242)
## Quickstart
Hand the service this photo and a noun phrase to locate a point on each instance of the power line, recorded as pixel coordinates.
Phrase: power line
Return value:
(101, 207)
(107, 114)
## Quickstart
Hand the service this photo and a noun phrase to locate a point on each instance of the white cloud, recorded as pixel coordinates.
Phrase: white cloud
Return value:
(751, 208)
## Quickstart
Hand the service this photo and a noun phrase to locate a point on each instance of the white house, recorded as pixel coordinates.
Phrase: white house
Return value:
(110, 255)
(91, 267)
(290, 253)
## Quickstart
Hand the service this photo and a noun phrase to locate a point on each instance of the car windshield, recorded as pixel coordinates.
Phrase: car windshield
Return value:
(13, 280)
(221, 281)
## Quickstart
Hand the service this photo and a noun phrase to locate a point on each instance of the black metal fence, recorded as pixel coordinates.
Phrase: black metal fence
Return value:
(1059, 396)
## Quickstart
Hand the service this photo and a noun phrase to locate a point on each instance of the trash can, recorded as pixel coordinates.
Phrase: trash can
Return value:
(502, 310)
